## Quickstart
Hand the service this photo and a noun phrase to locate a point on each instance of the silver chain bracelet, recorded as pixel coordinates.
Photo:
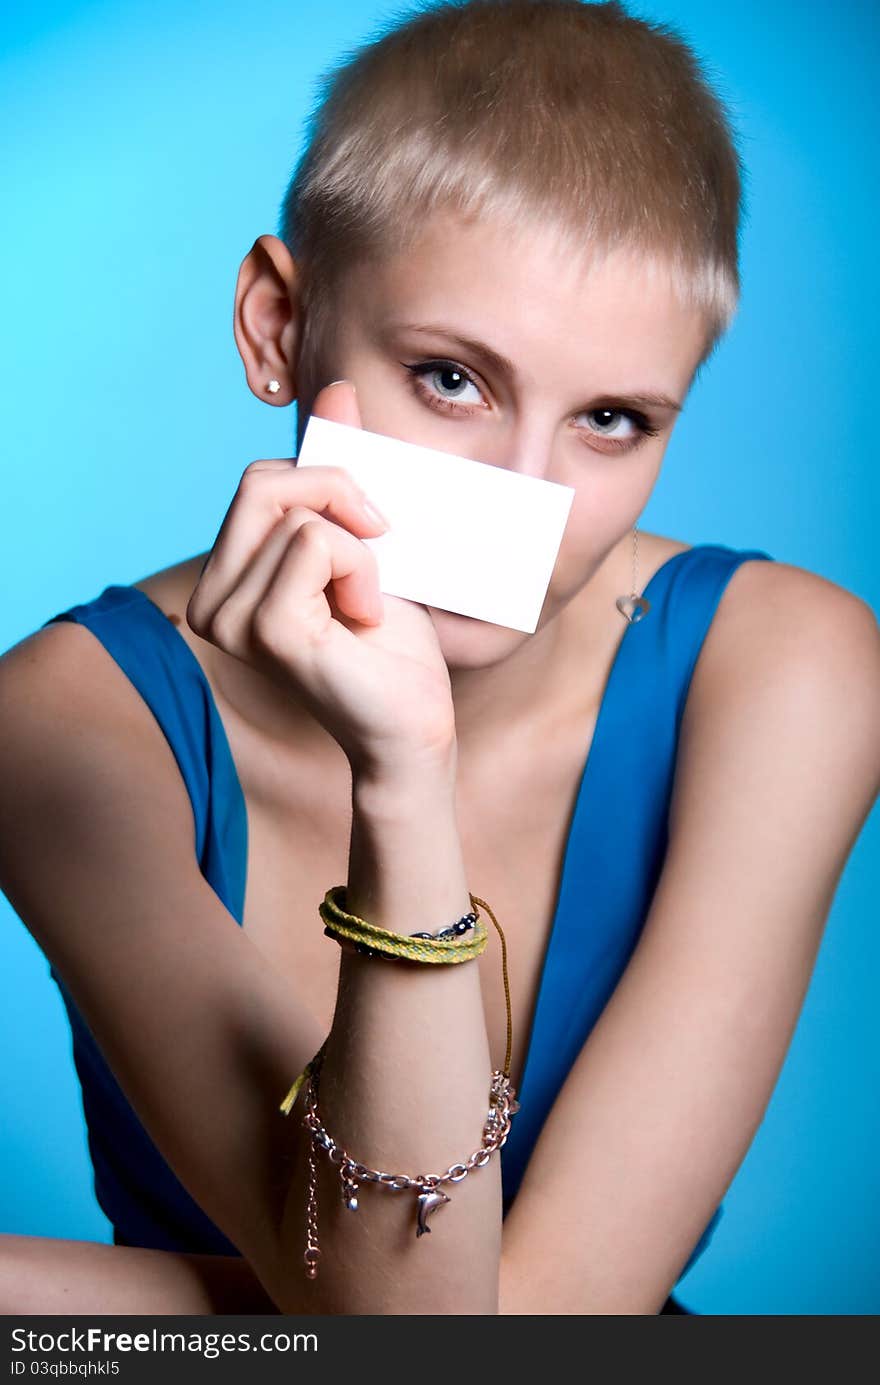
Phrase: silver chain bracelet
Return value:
(502, 1105)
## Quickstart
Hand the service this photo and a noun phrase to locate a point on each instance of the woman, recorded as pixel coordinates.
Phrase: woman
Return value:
(655, 798)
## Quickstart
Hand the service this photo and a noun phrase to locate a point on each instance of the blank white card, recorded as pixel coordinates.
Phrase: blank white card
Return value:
(465, 536)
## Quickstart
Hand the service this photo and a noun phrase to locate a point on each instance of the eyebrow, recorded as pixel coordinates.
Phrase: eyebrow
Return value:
(502, 364)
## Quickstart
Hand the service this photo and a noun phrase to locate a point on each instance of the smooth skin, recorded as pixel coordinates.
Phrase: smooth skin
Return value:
(778, 766)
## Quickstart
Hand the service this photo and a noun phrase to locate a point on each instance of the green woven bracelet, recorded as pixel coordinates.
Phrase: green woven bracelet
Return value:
(339, 924)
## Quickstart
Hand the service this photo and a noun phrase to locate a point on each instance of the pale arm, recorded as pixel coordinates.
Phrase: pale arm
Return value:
(404, 1085)
(779, 764)
(46, 1276)
(96, 857)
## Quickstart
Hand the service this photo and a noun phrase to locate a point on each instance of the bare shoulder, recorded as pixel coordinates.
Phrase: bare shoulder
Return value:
(67, 648)
(75, 725)
(71, 715)
(784, 699)
(772, 617)
(62, 673)
(65, 660)
(56, 668)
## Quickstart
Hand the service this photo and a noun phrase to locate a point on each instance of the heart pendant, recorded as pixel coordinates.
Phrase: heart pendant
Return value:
(634, 603)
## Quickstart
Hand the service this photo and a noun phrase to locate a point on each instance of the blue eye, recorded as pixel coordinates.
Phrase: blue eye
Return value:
(452, 378)
(641, 425)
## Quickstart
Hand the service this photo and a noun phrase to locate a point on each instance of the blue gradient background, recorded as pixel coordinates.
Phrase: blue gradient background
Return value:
(145, 147)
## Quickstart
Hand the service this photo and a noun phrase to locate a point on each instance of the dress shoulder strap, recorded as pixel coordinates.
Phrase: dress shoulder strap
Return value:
(157, 660)
(686, 605)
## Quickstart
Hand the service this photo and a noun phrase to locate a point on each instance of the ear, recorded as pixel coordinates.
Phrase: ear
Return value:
(267, 319)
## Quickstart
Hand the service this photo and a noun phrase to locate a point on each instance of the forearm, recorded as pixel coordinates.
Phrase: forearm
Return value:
(404, 1084)
(41, 1275)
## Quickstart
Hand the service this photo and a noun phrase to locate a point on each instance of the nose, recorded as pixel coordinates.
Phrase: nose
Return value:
(526, 447)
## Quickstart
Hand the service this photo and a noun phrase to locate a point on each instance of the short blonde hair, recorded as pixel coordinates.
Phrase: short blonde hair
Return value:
(577, 118)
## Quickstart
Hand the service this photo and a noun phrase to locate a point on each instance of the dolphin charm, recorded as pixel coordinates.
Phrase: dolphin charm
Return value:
(428, 1203)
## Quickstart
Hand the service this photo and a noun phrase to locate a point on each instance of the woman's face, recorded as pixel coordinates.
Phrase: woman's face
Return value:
(422, 337)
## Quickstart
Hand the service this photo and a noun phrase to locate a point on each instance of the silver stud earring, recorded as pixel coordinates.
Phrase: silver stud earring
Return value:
(633, 608)
(273, 386)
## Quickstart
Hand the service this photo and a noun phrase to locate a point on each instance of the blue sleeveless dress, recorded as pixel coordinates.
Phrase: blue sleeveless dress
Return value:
(601, 904)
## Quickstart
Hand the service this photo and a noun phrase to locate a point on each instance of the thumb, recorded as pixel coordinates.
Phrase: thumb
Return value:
(338, 403)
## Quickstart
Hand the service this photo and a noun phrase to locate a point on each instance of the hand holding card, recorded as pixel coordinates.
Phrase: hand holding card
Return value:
(464, 536)
(290, 588)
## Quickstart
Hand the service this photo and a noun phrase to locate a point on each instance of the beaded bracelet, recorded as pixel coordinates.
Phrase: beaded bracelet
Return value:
(462, 925)
(449, 945)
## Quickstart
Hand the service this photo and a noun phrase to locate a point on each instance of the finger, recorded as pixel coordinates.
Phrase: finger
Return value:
(293, 611)
(338, 403)
(340, 561)
(265, 494)
(273, 464)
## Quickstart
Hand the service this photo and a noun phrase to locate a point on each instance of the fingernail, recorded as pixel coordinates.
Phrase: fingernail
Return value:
(341, 382)
(375, 515)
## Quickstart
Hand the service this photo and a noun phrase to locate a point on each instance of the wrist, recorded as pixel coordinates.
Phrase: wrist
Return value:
(406, 866)
(394, 790)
